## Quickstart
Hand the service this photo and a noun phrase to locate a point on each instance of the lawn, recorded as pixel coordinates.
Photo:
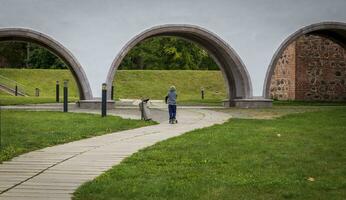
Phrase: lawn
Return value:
(154, 84)
(44, 79)
(18, 100)
(24, 131)
(296, 156)
(129, 84)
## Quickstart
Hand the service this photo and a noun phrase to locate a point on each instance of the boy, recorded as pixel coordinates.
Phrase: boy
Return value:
(171, 100)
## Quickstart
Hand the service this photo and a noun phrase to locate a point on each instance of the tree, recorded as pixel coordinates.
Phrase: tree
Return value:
(14, 53)
(168, 53)
(28, 55)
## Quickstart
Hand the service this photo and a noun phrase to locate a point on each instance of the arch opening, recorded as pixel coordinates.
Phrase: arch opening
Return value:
(332, 31)
(237, 80)
(27, 35)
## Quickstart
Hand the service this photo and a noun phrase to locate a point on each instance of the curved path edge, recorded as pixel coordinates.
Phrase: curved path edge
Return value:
(56, 172)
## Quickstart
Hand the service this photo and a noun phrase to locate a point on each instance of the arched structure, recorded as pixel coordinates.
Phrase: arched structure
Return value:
(28, 35)
(335, 31)
(234, 71)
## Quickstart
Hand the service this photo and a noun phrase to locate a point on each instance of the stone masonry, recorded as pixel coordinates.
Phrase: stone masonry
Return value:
(282, 82)
(312, 68)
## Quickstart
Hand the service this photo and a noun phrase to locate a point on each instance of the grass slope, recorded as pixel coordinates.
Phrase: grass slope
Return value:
(154, 84)
(240, 159)
(23, 131)
(44, 79)
(13, 100)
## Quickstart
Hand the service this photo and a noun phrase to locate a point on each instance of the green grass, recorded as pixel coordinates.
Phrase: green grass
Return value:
(129, 84)
(200, 102)
(154, 84)
(44, 79)
(308, 103)
(13, 100)
(240, 159)
(270, 113)
(24, 131)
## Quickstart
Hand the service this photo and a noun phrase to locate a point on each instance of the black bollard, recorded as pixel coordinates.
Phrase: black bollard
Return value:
(16, 90)
(57, 87)
(104, 100)
(202, 93)
(0, 131)
(37, 92)
(65, 95)
(112, 93)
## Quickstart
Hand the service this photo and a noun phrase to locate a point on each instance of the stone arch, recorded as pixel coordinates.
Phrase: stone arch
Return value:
(234, 71)
(335, 31)
(28, 35)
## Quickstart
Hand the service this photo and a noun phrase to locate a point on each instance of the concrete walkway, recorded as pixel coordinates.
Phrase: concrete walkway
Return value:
(56, 172)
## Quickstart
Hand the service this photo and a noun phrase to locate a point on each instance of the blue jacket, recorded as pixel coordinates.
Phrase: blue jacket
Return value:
(171, 98)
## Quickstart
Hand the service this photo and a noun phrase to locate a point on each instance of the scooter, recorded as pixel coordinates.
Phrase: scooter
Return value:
(173, 121)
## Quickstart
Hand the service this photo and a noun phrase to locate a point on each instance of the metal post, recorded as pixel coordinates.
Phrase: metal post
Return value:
(141, 107)
(202, 93)
(57, 88)
(27, 54)
(65, 95)
(16, 91)
(37, 92)
(112, 93)
(0, 130)
(104, 100)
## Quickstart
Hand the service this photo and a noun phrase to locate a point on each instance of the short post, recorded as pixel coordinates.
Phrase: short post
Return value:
(0, 131)
(57, 88)
(16, 90)
(37, 92)
(104, 100)
(112, 93)
(65, 95)
(202, 92)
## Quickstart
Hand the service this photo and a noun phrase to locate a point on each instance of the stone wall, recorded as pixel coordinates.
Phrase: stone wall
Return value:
(312, 68)
(321, 70)
(283, 80)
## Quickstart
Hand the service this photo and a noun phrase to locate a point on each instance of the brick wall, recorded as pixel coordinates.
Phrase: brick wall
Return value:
(312, 68)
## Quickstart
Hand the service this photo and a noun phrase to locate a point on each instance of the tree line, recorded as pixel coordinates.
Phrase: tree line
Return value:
(158, 53)
(168, 53)
(28, 55)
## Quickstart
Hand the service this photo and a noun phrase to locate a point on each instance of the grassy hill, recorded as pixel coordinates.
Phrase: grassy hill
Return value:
(44, 79)
(152, 84)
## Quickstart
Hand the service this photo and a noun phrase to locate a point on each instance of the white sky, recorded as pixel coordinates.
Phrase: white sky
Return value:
(95, 30)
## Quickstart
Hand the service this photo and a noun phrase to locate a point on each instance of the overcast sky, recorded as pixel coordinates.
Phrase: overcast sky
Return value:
(95, 30)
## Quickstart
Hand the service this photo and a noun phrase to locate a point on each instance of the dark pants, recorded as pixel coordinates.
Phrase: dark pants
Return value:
(172, 110)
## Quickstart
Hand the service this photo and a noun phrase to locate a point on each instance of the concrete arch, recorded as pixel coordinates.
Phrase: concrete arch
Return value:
(28, 35)
(335, 31)
(234, 71)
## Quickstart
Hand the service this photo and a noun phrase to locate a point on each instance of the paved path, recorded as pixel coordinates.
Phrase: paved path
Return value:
(55, 172)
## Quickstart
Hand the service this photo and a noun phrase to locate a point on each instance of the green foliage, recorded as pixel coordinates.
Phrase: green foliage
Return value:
(24, 131)
(163, 53)
(41, 58)
(28, 55)
(13, 54)
(240, 159)
(168, 53)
